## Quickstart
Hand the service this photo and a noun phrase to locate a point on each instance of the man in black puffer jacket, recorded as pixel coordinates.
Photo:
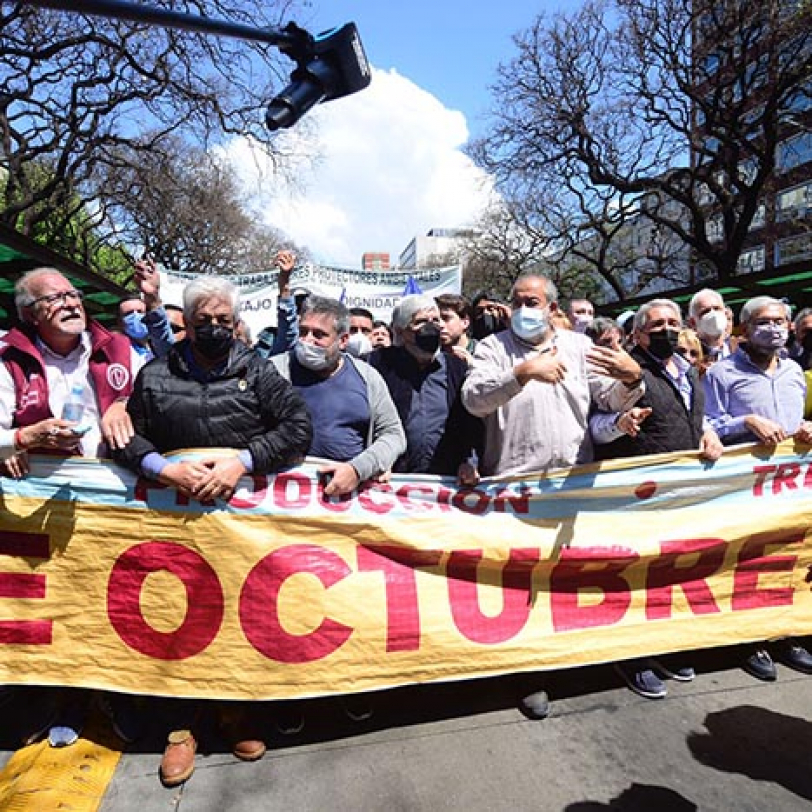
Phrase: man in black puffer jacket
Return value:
(211, 391)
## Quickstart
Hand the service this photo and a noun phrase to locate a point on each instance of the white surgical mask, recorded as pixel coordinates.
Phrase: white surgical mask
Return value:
(581, 322)
(712, 324)
(530, 323)
(359, 345)
(313, 357)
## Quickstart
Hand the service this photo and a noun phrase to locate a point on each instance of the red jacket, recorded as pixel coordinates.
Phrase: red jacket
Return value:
(109, 365)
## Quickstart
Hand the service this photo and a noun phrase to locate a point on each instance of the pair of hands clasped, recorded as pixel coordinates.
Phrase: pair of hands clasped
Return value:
(204, 479)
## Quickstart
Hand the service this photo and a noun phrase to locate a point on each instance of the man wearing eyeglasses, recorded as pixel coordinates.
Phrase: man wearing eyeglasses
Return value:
(756, 395)
(54, 355)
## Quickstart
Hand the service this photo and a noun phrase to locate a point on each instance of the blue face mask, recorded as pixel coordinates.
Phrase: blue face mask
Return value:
(134, 327)
(530, 323)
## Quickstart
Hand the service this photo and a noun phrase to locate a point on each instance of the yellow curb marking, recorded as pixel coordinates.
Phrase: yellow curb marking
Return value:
(41, 778)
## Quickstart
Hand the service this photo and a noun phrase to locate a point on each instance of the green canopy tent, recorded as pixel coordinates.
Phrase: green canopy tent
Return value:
(19, 254)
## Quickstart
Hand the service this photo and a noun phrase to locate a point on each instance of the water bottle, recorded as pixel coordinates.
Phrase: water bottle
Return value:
(74, 406)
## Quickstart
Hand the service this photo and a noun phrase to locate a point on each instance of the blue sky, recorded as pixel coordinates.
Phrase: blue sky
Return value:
(371, 171)
(450, 48)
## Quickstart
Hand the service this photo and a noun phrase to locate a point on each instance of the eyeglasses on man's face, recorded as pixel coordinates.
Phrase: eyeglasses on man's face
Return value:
(60, 299)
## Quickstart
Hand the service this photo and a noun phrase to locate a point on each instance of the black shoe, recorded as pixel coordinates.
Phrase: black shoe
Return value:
(125, 718)
(641, 679)
(41, 711)
(535, 705)
(288, 717)
(357, 707)
(760, 665)
(790, 653)
(674, 669)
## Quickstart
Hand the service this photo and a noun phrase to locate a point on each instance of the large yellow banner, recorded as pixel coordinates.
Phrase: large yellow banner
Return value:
(110, 581)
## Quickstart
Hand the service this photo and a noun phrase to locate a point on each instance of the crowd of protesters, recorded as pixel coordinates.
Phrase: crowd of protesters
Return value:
(445, 386)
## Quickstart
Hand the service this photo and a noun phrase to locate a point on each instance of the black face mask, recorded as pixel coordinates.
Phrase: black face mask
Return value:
(807, 342)
(663, 343)
(486, 324)
(427, 338)
(213, 341)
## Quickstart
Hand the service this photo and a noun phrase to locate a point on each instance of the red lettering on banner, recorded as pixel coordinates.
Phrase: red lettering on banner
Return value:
(143, 486)
(753, 561)
(369, 504)
(444, 497)
(519, 503)
(24, 585)
(516, 579)
(785, 477)
(664, 574)
(761, 472)
(808, 477)
(462, 499)
(337, 504)
(256, 496)
(283, 483)
(426, 491)
(402, 607)
(259, 604)
(204, 600)
(595, 567)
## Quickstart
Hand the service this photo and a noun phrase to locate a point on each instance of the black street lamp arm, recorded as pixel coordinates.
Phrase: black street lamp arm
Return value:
(328, 66)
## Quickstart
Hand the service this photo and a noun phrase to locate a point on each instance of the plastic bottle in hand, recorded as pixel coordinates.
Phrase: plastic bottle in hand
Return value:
(74, 406)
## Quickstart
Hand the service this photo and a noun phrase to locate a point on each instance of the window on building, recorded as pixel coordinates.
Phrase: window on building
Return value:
(715, 229)
(794, 152)
(793, 249)
(798, 101)
(794, 203)
(751, 261)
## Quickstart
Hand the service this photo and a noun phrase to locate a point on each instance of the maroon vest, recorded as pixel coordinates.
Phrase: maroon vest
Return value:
(109, 365)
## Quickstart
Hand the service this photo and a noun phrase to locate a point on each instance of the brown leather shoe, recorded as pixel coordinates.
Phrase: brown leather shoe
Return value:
(178, 762)
(248, 749)
(240, 731)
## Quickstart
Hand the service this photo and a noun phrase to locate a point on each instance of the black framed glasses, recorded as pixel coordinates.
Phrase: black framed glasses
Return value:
(60, 299)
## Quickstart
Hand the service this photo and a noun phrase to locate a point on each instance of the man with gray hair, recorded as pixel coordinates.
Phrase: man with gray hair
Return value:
(534, 386)
(707, 315)
(756, 395)
(356, 429)
(425, 385)
(211, 391)
(354, 420)
(669, 417)
(57, 356)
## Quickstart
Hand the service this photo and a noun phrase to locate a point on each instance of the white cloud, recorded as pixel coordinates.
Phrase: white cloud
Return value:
(369, 172)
